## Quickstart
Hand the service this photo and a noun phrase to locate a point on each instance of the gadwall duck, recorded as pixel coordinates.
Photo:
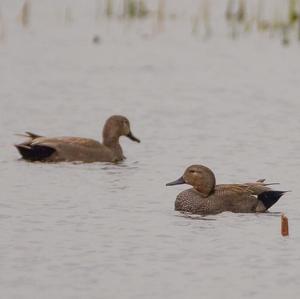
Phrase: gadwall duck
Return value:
(208, 198)
(57, 149)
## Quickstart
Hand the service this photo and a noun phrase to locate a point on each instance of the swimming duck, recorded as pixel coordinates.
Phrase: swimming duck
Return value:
(208, 198)
(57, 149)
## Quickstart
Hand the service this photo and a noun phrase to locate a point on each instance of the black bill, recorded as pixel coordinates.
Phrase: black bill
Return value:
(132, 137)
(177, 182)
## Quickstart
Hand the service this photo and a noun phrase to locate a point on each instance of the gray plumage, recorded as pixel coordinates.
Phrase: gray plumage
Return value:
(208, 198)
(58, 149)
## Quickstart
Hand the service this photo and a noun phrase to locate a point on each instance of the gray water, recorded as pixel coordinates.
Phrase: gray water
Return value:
(110, 231)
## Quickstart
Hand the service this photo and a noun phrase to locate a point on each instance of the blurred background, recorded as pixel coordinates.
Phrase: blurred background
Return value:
(202, 81)
(147, 18)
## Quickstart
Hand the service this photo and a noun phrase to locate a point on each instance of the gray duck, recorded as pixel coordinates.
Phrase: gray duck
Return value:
(58, 149)
(208, 198)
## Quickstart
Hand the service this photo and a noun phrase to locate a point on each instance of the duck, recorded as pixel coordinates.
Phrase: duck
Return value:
(207, 198)
(78, 149)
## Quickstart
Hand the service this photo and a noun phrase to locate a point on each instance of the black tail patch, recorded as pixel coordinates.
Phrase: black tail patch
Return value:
(269, 198)
(35, 153)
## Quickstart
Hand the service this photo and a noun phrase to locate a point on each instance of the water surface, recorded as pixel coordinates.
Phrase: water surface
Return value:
(109, 231)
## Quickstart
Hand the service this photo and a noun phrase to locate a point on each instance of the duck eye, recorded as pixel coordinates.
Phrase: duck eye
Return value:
(192, 171)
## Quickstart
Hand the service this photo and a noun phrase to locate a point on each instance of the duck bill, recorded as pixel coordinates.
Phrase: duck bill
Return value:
(177, 182)
(132, 137)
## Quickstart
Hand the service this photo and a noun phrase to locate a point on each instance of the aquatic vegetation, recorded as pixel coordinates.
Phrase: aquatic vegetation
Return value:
(142, 9)
(134, 9)
(240, 17)
(293, 14)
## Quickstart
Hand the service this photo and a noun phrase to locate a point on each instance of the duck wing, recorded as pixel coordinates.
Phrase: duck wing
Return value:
(255, 188)
(249, 197)
(237, 198)
(75, 149)
(63, 149)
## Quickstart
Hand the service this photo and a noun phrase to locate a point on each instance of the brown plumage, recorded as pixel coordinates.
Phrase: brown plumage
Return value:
(57, 149)
(208, 198)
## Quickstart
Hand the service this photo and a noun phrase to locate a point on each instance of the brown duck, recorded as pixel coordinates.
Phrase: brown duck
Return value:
(58, 149)
(208, 198)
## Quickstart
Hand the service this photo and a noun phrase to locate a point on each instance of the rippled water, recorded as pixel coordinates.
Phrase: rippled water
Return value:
(109, 231)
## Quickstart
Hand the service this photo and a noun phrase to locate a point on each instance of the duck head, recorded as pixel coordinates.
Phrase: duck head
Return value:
(198, 176)
(115, 127)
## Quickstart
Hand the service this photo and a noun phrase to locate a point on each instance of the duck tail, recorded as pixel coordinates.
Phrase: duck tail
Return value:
(29, 134)
(32, 135)
(262, 181)
(34, 153)
(269, 198)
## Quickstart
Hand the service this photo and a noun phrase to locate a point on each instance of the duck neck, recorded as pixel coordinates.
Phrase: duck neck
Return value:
(113, 144)
(206, 187)
(204, 192)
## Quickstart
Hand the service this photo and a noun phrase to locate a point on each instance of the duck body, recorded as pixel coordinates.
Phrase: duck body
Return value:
(220, 201)
(207, 198)
(71, 149)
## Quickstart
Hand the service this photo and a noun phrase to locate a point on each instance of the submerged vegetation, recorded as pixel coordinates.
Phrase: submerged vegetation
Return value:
(279, 18)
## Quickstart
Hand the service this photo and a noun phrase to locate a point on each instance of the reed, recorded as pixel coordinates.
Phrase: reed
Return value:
(229, 14)
(261, 24)
(109, 8)
(231, 17)
(135, 9)
(125, 8)
(293, 15)
(2, 28)
(284, 226)
(298, 29)
(206, 16)
(142, 9)
(161, 14)
(237, 16)
(24, 16)
(241, 12)
(68, 16)
(285, 29)
(195, 22)
(132, 9)
(98, 9)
